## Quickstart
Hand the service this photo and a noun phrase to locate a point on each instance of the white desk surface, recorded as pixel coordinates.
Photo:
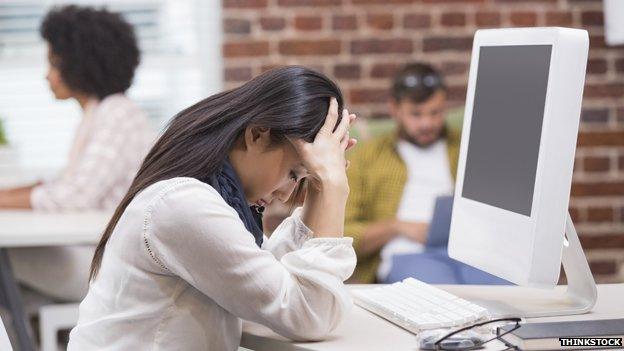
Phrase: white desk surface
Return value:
(20, 228)
(364, 331)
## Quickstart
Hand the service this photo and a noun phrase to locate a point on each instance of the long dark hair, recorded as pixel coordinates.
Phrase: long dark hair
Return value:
(291, 101)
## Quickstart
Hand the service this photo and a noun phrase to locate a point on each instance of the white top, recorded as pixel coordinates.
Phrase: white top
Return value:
(180, 270)
(110, 143)
(428, 176)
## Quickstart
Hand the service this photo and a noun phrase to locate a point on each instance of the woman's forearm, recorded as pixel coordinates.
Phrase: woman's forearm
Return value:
(15, 198)
(324, 207)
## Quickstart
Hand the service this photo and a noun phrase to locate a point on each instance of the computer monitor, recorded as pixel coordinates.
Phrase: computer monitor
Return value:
(517, 153)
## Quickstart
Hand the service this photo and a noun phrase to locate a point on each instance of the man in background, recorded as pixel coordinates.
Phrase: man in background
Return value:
(396, 177)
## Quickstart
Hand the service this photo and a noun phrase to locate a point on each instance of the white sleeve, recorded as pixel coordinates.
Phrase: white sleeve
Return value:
(191, 232)
(290, 235)
(98, 168)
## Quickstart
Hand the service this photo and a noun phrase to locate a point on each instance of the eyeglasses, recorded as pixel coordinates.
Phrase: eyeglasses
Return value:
(430, 80)
(445, 343)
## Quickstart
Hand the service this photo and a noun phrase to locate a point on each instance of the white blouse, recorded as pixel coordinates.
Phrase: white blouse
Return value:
(180, 270)
(110, 142)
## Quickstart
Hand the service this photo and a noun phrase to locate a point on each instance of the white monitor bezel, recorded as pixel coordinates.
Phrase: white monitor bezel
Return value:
(526, 250)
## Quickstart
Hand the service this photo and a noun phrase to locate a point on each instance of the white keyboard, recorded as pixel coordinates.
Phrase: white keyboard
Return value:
(416, 306)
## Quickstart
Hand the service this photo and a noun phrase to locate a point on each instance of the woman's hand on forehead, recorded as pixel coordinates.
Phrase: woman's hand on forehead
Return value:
(324, 157)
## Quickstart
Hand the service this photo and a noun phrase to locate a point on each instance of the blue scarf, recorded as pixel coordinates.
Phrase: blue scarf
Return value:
(227, 183)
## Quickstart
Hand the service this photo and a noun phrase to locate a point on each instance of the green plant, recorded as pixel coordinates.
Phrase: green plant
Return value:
(3, 140)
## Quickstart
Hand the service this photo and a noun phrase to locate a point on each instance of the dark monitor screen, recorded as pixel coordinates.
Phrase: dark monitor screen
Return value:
(506, 126)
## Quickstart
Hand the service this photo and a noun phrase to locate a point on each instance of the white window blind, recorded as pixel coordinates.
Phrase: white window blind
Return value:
(180, 63)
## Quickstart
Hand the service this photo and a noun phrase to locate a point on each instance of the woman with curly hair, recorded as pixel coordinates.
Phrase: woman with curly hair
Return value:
(92, 56)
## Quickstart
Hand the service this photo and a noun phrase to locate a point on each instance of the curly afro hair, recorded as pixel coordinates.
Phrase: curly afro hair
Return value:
(97, 49)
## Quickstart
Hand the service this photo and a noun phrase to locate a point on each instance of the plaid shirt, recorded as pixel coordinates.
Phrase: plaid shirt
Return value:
(110, 143)
(377, 176)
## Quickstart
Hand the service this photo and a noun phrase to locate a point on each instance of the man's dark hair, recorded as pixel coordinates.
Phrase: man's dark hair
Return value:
(416, 82)
(96, 49)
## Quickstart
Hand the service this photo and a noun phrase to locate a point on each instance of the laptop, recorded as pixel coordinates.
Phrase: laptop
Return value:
(440, 224)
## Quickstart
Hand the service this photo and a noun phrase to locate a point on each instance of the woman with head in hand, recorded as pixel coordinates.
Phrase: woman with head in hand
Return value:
(184, 259)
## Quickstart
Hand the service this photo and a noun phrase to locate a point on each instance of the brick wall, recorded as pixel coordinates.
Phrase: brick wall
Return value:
(361, 42)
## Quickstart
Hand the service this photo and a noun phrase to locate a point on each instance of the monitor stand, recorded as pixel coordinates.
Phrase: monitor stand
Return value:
(579, 297)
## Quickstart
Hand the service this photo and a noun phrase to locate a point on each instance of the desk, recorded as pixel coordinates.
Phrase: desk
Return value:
(363, 331)
(20, 228)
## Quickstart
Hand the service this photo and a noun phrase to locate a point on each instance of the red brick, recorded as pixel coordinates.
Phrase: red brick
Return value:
(381, 46)
(603, 267)
(434, 43)
(597, 41)
(454, 1)
(309, 2)
(598, 188)
(577, 162)
(456, 92)
(595, 115)
(453, 19)
(523, 18)
(347, 22)
(596, 163)
(603, 241)
(368, 95)
(597, 66)
(488, 19)
(602, 138)
(237, 74)
(383, 21)
(269, 67)
(307, 23)
(416, 21)
(380, 2)
(236, 26)
(245, 3)
(246, 48)
(540, 2)
(450, 68)
(575, 213)
(604, 90)
(619, 65)
(309, 47)
(558, 18)
(592, 18)
(347, 71)
(600, 214)
(621, 163)
(272, 23)
(384, 70)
